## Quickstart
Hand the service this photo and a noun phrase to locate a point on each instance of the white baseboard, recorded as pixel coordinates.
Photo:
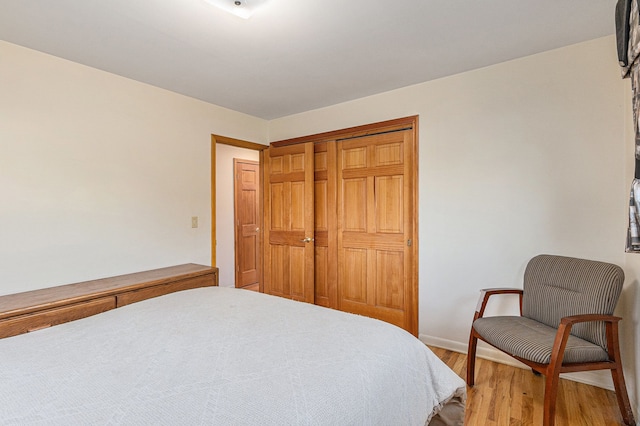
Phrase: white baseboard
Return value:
(601, 379)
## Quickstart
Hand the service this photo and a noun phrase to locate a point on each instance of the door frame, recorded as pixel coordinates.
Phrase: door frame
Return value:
(239, 143)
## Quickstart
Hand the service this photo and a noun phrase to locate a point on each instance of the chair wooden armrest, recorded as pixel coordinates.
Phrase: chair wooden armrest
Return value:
(486, 293)
(614, 364)
(574, 319)
(564, 329)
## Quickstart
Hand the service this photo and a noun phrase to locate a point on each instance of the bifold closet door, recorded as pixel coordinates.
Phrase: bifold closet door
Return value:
(289, 222)
(376, 221)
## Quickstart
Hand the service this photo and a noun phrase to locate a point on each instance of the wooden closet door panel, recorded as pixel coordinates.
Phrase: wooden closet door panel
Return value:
(375, 227)
(354, 276)
(276, 277)
(297, 272)
(389, 282)
(354, 216)
(389, 204)
(325, 194)
(277, 214)
(321, 280)
(289, 215)
(321, 241)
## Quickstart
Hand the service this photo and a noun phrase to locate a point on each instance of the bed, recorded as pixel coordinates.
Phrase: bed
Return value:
(225, 356)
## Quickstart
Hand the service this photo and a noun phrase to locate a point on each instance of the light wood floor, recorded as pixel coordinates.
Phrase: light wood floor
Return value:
(511, 396)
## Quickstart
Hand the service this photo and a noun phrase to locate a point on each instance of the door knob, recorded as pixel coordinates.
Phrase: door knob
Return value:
(306, 240)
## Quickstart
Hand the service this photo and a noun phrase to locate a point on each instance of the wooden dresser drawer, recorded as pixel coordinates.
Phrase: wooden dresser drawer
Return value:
(46, 318)
(159, 290)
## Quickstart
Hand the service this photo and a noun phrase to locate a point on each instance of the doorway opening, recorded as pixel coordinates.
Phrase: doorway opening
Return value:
(223, 245)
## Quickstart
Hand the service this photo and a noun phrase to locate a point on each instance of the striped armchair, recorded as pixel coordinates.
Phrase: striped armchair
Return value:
(566, 324)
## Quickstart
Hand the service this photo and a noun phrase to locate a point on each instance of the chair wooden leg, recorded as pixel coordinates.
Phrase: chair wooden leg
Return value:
(471, 358)
(622, 396)
(618, 375)
(550, 396)
(621, 389)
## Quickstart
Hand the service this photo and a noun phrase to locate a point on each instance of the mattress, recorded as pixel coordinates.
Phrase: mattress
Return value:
(224, 356)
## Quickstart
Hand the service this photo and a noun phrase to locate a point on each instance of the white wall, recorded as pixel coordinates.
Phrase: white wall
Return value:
(516, 159)
(225, 254)
(100, 175)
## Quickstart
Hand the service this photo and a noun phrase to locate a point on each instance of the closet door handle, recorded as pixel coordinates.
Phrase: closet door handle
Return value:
(307, 240)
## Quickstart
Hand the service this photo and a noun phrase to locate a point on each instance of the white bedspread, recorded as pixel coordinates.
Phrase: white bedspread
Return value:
(222, 356)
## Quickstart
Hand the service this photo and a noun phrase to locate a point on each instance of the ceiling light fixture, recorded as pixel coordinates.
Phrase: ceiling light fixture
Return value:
(241, 8)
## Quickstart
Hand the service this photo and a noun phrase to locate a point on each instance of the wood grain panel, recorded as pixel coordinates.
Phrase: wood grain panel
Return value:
(50, 317)
(353, 275)
(374, 241)
(277, 202)
(248, 254)
(126, 298)
(276, 165)
(249, 201)
(297, 271)
(354, 158)
(389, 281)
(297, 162)
(249, 178)
(388, 154)
(320, 207)
(354, 218)
(247, 230)
(321, 269)
(288, 177)
(389, 204)
(322, 239)
(279, 283)
(320, 162)
(377, 171)
(297, 207)
(288, 238)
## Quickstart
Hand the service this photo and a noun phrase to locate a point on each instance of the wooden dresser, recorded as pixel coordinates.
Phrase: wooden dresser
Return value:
(33, 310)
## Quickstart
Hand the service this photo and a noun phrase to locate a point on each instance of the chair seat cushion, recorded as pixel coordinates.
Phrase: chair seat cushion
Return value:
(531, 340)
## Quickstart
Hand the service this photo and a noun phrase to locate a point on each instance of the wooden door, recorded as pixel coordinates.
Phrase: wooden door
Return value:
(376, 225)
(247, 219)
(289, 222)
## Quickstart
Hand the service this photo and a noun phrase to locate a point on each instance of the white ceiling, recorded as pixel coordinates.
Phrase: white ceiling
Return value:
(297, 55)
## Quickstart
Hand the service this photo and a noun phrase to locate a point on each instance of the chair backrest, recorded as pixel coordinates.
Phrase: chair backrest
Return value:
(557, 286)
